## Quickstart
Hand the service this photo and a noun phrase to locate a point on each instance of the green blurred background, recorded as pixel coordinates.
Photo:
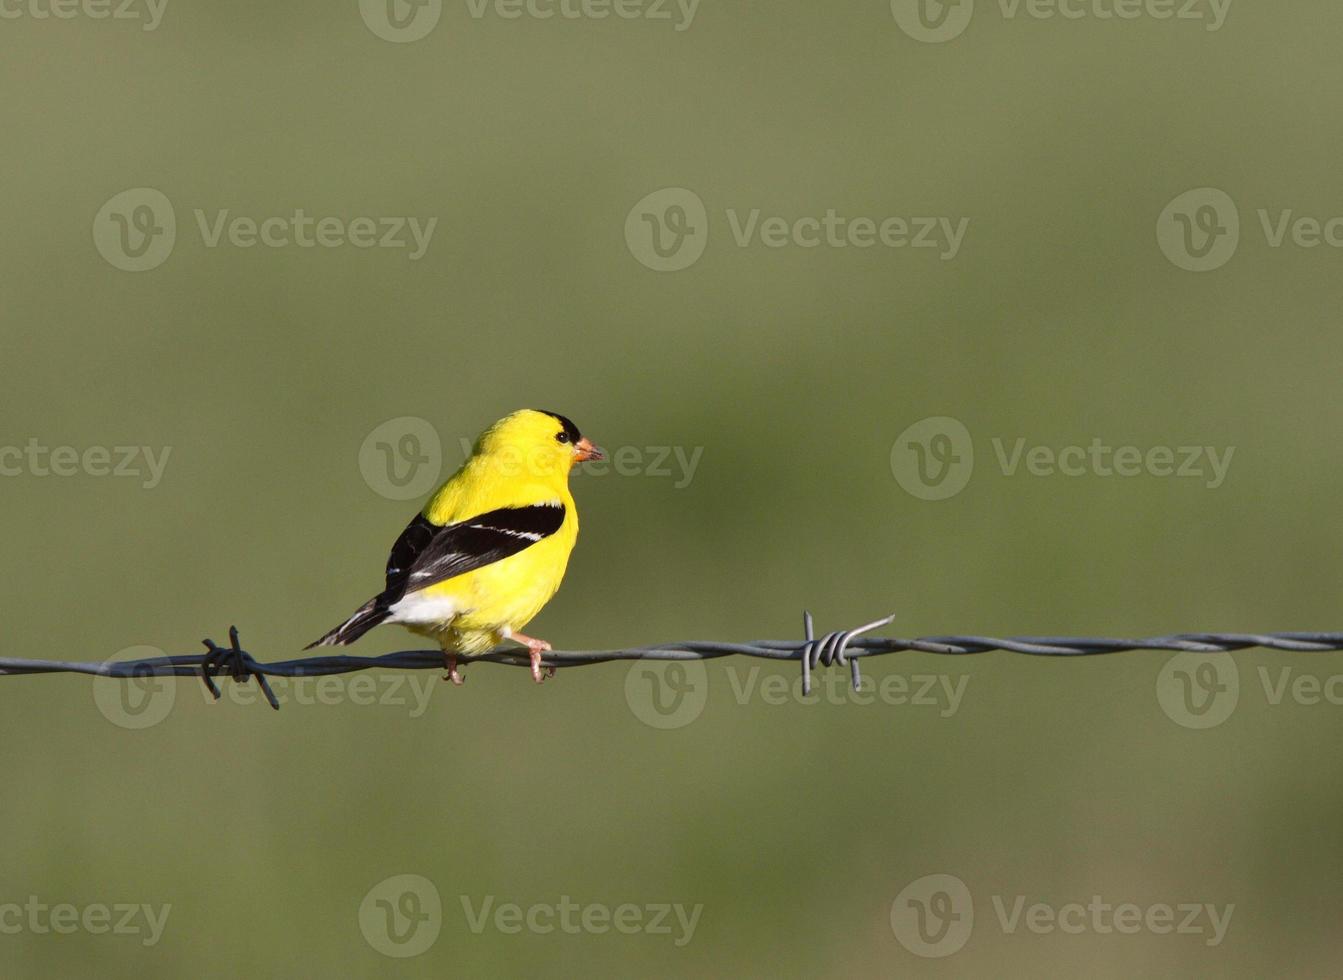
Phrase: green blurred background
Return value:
(794, 370)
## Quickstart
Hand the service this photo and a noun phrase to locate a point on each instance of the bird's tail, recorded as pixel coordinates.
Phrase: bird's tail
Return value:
(367, 616)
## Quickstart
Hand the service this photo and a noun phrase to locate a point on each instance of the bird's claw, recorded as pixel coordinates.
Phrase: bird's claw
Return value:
(535, 648)
(453, 674)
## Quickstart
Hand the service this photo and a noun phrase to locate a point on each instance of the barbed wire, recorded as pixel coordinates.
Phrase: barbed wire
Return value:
(841, 647)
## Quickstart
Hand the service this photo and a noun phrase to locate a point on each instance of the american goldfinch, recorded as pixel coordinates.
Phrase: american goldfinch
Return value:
(489, 548)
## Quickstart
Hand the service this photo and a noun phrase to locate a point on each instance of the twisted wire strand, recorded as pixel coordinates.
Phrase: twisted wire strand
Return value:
(842, 647)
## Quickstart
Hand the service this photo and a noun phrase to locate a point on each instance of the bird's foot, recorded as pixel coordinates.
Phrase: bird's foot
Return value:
(454, 675)
(534, 649)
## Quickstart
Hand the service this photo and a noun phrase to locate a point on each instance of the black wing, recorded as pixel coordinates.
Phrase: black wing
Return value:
(426, 554)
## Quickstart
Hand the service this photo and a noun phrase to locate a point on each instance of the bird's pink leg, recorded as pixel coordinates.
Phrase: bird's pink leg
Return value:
(454, 675)
(535, 648)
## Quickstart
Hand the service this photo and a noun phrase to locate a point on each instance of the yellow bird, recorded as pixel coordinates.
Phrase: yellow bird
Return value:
(489, 549)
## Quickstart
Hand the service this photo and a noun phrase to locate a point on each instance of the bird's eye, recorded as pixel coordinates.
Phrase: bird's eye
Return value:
(562, 437)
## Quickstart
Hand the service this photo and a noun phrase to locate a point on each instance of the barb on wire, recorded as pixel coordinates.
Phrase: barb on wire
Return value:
(843, 647)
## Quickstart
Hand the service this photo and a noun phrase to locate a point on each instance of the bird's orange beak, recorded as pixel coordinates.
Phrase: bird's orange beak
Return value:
(584, 450)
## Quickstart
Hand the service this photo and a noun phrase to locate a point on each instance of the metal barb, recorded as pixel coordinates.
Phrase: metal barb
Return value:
(239, 664)
(831, 649)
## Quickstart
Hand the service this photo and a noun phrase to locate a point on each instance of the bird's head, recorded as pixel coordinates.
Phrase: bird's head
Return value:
(536, 443)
